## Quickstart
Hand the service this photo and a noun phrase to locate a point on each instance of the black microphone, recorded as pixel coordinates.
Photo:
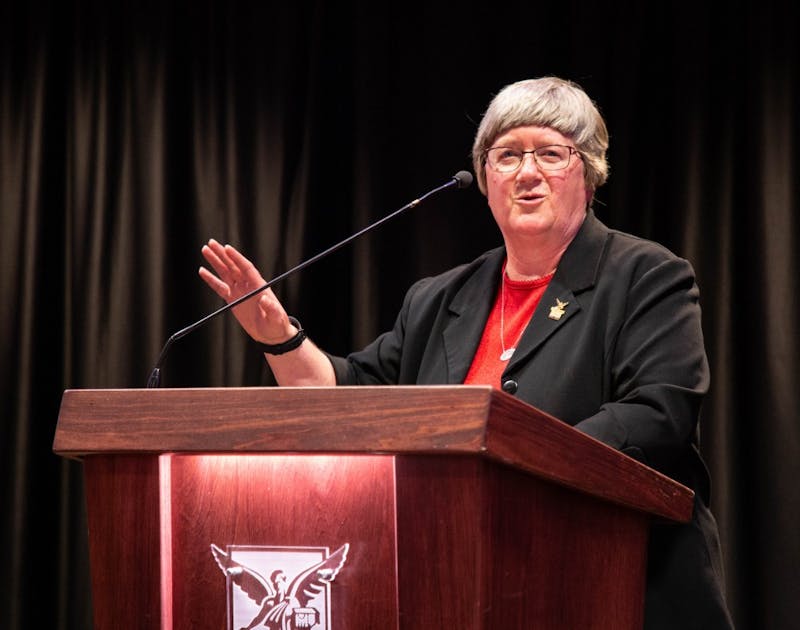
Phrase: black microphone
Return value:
(462, 179)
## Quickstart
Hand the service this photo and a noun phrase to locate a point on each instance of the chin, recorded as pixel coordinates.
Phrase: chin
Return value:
(533, 219)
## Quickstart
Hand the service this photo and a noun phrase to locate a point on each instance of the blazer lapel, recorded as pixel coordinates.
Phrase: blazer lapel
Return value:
(557, 306)
(470, 307)
(577, 271)
(469, 311)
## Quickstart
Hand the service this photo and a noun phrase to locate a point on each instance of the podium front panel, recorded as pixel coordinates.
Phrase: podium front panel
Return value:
(433, 541)
(122, 497)
(486, 546)
(283, 504)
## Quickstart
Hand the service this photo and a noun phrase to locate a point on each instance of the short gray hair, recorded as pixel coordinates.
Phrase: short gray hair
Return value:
(546, 102)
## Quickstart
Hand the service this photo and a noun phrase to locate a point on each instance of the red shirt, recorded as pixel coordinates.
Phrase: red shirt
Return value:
(521, 299)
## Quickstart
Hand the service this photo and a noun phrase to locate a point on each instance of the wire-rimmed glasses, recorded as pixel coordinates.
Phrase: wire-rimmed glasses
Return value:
(552, 157)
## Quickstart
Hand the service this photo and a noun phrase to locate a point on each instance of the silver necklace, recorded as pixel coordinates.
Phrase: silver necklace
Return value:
(507, 352)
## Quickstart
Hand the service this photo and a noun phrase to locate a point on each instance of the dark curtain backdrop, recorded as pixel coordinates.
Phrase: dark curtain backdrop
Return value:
(132, 132)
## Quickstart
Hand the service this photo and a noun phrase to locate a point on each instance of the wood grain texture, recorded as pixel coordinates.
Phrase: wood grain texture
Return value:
(264, 419)
(122, 497)
(450, 420)
(485, 546)
(458, 541)
(463, 506)
(286, 501)
(531, 440)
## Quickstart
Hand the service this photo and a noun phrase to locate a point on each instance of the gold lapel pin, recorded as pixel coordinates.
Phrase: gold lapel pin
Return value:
(557, 311)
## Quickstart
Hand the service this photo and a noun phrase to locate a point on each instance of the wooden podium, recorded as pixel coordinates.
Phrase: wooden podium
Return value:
(463, 507)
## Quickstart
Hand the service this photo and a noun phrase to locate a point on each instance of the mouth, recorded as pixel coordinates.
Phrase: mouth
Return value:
(529, 197)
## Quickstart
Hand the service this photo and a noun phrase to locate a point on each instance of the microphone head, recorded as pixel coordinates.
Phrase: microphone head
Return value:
(463, 179)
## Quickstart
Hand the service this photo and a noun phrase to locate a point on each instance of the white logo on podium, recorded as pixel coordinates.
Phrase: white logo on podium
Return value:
(280, 588)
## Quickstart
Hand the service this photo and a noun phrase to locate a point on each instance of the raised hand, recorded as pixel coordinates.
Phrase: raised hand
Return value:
(263, 316)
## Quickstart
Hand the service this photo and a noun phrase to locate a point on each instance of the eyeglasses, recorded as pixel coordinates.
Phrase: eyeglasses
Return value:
(552, 157)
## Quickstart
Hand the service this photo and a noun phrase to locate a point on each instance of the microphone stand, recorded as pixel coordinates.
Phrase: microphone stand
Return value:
(462, 179)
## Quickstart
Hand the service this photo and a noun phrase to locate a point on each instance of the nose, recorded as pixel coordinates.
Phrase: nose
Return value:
(528, 166)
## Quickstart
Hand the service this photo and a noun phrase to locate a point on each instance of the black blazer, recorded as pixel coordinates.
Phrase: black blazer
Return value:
(625, 364)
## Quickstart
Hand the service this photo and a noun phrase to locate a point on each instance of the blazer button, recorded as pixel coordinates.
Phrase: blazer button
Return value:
(510, 387)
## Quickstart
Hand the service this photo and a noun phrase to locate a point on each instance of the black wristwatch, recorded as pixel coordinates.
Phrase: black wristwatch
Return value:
(289, 344)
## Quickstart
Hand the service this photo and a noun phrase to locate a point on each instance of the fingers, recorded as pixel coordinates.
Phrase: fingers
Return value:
(219, 260)
(230, 264)
(214, 253)
(235, 274)
(231, 275)
(218, 286)
(234, 258)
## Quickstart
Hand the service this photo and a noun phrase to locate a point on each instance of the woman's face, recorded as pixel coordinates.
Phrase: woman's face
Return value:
(531, 202)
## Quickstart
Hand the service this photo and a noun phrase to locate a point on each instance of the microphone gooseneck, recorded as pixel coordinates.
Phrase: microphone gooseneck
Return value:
(460, 180)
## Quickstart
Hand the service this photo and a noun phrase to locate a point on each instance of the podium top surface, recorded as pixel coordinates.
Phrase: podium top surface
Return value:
(446, 420)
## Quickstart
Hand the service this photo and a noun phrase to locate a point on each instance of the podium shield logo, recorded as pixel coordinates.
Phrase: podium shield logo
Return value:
(279, 588)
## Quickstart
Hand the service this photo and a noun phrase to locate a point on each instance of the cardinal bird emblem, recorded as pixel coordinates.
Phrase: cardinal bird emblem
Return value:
(283, 604)
(557, 311)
